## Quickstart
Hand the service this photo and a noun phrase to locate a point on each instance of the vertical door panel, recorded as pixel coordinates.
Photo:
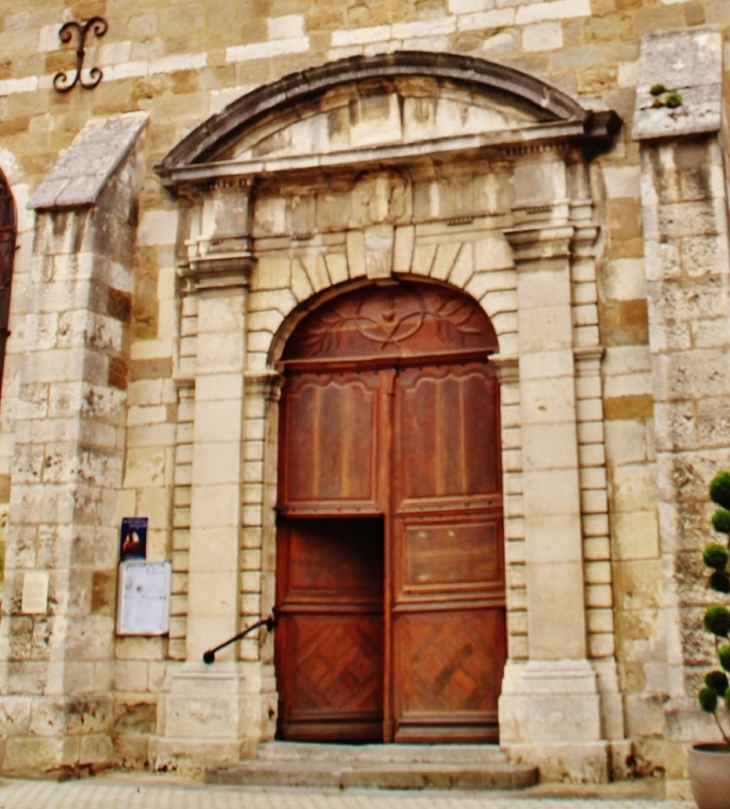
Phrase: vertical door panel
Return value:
(448, 585)
(330, 633)
(330, 422)
(450, 667)
(447, 432)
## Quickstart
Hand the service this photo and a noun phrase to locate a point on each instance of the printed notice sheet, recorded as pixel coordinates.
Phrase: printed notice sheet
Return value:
(144, 598)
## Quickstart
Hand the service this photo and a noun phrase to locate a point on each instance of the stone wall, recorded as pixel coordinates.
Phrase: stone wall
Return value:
(69, 432)
(181, 63)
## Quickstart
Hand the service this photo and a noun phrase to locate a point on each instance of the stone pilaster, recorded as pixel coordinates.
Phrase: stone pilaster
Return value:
(550, 711)
(210, 711)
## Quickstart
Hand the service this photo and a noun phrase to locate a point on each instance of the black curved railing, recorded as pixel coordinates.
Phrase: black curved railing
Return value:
(269, 623)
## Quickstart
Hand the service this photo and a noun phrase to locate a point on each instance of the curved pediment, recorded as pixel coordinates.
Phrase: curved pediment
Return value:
(377, 103)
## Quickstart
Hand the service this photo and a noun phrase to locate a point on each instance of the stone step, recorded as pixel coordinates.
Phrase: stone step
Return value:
(348, 754)
(403, 775)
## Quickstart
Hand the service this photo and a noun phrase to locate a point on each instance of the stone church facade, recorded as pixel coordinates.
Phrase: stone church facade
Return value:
(241, 174)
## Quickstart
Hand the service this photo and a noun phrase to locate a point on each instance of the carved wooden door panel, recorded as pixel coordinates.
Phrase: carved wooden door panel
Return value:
(390, 583)
(448, 603)
(330, 638)
(330, 632)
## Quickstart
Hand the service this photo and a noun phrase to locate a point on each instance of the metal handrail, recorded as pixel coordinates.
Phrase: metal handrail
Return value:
(269, 623)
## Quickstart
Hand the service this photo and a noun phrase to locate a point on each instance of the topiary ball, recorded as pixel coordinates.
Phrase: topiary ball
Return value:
(720, 489)
(717, 621)
(708, 700)
(723, 654)
(715, 556)
(717, 681)
(720, 581)
(721, 521)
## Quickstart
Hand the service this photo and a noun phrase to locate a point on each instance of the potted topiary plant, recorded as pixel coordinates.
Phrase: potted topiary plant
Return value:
(709, 763)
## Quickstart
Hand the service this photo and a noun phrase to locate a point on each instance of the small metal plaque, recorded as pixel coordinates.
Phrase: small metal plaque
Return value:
(35, 593)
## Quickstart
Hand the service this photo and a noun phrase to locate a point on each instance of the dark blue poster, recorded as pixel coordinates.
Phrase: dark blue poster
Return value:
(133, 538)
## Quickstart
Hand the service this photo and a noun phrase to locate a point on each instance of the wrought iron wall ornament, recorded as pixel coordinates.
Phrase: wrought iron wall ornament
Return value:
(98, 25)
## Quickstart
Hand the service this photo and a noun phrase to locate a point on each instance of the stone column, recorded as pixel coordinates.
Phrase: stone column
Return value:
(61, 566)
(685, 216)
(206, 713)
(550, 708)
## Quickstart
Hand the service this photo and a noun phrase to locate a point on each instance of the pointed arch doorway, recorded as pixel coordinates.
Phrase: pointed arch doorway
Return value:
(390, 570)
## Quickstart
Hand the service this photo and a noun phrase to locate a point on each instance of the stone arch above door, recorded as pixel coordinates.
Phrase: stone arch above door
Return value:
(408, 164)
(530, 100)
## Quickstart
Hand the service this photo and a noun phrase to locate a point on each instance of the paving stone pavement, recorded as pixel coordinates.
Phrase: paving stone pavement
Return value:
(106, 793)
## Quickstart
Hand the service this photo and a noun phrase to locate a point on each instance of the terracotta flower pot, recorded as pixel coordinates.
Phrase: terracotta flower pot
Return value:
(709, 774)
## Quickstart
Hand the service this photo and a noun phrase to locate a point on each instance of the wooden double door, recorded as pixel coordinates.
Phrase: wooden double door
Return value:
(390, 572)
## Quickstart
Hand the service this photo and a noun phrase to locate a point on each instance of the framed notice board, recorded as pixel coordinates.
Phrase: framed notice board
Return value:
(143, 606)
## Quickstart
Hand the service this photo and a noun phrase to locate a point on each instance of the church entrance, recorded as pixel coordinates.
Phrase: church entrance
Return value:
(390, 569)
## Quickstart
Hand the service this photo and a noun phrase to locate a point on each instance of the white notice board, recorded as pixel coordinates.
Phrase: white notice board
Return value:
(143, 606)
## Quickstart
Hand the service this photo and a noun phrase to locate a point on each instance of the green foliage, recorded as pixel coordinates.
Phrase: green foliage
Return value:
(720, 581)
(708, 700)
(717, 681)
(721, 521)
(657, 89)
(715, 556)
(717, 617)
(723, 655)
(720, 489)
(673, 100)
(717, 620)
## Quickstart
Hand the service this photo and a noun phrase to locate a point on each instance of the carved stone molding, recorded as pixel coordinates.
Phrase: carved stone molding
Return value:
(216, 271)
(185, 387)
(588, 360)
(508, 368)
(584, 239)
(537, 243)
(267, 384)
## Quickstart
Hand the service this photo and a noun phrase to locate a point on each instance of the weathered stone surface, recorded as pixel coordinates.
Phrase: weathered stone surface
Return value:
(81, 174)
(690, 63)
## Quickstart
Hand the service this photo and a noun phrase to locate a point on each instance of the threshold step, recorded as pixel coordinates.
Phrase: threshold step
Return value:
(382, 776)
(348, 754)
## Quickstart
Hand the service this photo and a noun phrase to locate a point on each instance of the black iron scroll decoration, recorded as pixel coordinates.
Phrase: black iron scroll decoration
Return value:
(98, 26)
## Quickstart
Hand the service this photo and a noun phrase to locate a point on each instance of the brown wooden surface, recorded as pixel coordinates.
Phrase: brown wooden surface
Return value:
(7, 257)
(392, 627)
(330, 634)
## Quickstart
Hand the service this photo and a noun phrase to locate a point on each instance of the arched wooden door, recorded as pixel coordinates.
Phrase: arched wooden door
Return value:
(390, 570)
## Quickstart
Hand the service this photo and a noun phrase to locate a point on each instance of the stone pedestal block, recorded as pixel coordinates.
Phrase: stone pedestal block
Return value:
(215, 714)
(550, 716)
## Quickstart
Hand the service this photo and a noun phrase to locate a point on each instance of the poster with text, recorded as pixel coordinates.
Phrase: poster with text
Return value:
(133, 538)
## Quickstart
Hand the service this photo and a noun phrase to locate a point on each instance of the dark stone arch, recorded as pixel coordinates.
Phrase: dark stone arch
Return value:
(546, 102)
(8, 233)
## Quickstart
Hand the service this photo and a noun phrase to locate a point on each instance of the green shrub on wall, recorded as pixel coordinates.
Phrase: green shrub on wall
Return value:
(714, 697)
